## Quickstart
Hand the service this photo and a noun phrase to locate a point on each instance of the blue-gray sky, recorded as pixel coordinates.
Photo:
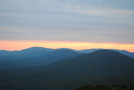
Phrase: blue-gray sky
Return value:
(98, 21)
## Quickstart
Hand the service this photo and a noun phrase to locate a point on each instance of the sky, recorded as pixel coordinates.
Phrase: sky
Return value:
(76, 24)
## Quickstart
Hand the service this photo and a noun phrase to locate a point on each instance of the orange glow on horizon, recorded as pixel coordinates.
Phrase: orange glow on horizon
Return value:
(19, 45)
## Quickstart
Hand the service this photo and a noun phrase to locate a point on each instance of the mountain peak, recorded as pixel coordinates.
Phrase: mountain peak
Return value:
(64, 52)
(106, 51)
(109, 53)
(35, 48)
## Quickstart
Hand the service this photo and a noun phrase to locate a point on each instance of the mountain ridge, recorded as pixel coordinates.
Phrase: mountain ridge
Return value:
(45, 59)
(38, 51)
(104, 66)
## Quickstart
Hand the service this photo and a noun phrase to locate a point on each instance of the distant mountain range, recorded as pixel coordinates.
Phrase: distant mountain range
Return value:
(102, 66)
(39, 51)
(36, 56)
(26, 53)
(48, 58)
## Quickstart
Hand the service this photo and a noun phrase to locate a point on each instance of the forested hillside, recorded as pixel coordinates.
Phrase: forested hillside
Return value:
(104, 66)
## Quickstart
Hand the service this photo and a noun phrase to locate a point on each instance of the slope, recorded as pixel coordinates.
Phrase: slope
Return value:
(99, 63)
(25, 53)
(130, 54)
(45, 59)
(104, 66)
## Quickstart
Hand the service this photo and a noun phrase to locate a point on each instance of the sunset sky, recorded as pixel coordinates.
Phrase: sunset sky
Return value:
(75, 24)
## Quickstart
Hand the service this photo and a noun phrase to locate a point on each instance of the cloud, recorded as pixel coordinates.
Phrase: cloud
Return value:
(97, 35)
(67, 20)
(64, 4)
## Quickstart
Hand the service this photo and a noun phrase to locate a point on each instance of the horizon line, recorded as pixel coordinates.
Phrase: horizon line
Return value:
(65, 48)
(16, 45)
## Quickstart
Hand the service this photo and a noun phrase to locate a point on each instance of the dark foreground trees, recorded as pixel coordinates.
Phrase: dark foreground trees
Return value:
(105, 87)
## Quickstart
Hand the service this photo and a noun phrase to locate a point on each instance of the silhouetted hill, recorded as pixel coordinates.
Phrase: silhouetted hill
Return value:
(39, 51)
(45, 59)
(98, 63)
(103, 66)
(88, 50)
(26, 53)
(8, 55)
(63, 53)
(36, 51)
(130, 54)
